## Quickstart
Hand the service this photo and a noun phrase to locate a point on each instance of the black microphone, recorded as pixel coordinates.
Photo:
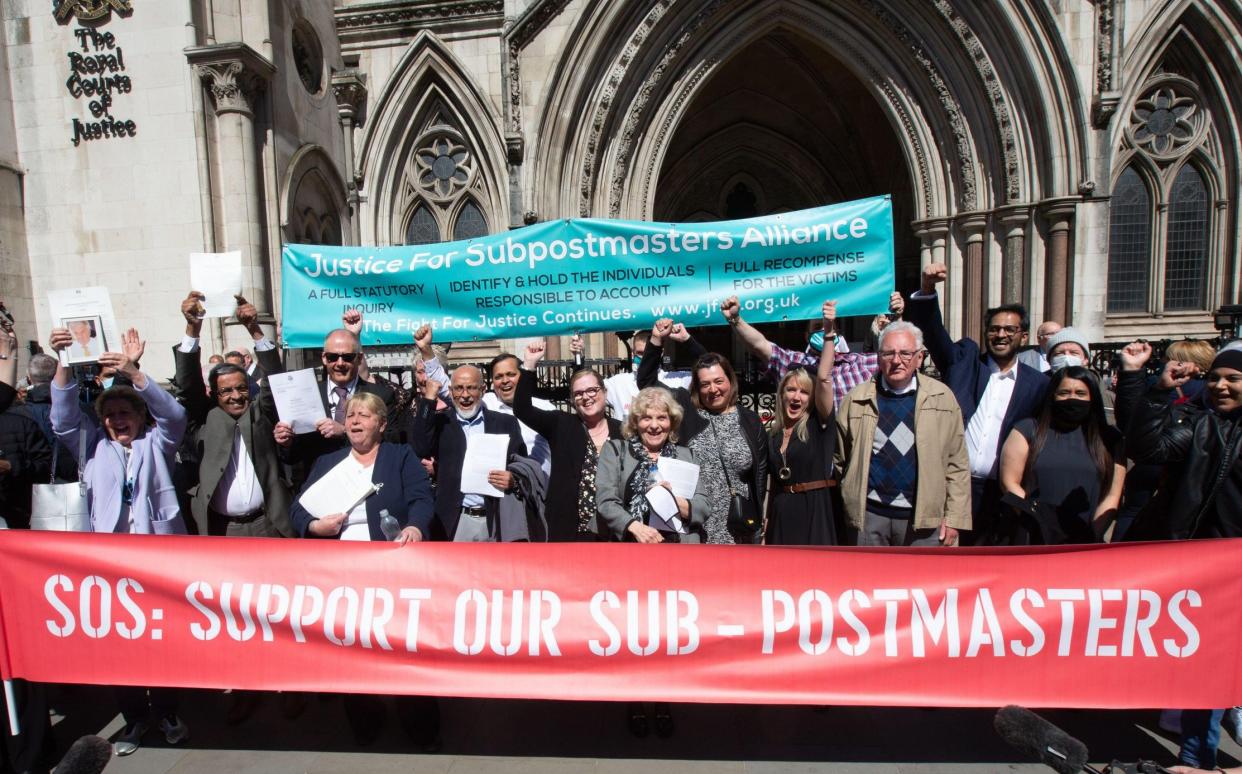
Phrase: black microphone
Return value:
(1028, 732)
(89, 755)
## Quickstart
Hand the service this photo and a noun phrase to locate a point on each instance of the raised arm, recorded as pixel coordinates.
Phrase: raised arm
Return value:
(823, 372)
(756, 343)
(649, 367)
(540, 420)
(431, 364)
(169, 415)
(188, 360)
(924, 311)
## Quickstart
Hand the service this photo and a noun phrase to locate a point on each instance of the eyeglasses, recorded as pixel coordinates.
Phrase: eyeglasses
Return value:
(996, 330)
(332, 357)
(589, 392)
(457, 389)
(227, 391)
(903, 355)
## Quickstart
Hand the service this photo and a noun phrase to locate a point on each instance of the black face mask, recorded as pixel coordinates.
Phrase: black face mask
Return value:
(1072, 411)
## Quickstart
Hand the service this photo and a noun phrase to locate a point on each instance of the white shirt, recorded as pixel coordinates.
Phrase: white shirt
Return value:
(238, 492)
(623, 388)
(470, 427)
(536, 445)
(984, 428)
(330, 387)
(356, 526)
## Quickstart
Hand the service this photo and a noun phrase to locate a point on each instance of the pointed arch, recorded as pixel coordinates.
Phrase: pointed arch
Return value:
(430, 115)
(312, 199)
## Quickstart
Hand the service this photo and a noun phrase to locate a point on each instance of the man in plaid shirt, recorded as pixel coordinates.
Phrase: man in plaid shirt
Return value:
(849, 369)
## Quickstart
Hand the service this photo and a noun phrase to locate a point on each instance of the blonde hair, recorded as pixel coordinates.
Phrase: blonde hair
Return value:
(369, 401)
(646, 399)
(1201, 353)
(805, 381)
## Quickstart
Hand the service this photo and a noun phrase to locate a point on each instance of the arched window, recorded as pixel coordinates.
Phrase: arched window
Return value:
(1129, 244)
(470, 222)
(422, 228)
(1185, 262)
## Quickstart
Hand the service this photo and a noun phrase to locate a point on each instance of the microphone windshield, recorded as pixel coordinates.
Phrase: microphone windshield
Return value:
(1028, 732)
(89, 755)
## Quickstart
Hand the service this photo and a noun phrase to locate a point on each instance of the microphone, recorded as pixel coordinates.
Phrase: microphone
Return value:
(1028, 732)
(89, 755)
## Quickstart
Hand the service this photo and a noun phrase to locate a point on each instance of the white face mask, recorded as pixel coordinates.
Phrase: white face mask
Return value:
(1065, 361)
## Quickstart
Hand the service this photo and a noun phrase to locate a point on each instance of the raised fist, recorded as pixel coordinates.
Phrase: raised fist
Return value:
(731, 308)
(1135, 355)
(933, 275)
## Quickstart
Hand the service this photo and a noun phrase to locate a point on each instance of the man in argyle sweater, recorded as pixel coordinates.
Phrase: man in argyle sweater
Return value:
(902, 452)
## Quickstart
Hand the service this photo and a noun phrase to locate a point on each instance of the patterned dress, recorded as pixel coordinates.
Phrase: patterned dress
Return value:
(586, 491)
(728, 441)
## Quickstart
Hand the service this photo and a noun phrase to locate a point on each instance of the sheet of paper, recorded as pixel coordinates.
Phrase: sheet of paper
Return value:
(684, 476)
(81, 304)
(297, 399)
(485, 452)
(219, 277)
(664, 511)
(338, 491)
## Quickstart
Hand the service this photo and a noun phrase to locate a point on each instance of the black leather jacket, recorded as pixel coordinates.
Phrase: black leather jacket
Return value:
(1196, 445)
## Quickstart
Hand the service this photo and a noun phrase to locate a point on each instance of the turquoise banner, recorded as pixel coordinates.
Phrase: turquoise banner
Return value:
(584, 275)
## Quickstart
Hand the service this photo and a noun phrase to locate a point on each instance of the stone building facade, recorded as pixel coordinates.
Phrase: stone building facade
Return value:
(1081, 156)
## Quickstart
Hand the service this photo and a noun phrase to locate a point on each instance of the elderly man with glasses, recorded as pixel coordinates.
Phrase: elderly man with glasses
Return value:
(993, 388)
(905, 477)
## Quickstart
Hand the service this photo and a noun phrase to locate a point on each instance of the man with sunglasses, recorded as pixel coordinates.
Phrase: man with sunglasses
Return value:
(992, 387)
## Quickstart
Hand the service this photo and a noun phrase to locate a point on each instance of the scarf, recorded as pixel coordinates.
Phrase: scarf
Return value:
(641, 480)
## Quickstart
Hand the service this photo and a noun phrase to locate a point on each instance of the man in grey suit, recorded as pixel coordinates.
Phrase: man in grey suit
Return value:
(241, 486)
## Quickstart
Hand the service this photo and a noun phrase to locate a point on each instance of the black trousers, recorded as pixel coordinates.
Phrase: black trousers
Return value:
(31, 749)
(984, 508)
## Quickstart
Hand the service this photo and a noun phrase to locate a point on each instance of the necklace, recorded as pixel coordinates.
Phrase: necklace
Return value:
(784, 474)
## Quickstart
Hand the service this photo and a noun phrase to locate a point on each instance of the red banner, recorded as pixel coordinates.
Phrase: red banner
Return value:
(1144, 625)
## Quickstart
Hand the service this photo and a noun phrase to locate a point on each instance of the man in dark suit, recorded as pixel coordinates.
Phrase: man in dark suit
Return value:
(342, 356)
(441, 435)
(241, 489)
(993, 389)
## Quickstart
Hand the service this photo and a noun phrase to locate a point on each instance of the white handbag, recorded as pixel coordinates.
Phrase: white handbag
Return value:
(62, 507)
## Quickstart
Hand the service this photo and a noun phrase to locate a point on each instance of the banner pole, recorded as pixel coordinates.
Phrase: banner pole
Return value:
(10, 704)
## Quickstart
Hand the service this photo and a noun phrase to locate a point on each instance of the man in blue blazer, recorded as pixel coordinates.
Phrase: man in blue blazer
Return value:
(441, 435)
(993, 389)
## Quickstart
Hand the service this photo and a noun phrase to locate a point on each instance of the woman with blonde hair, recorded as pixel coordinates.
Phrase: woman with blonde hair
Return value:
(800, 453)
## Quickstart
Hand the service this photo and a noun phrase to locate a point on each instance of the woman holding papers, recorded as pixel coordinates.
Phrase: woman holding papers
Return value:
(129, 486)
(363, 481)
(635, 501)
(400, 484)
(575, 441)
(728, 439)
(800, 452)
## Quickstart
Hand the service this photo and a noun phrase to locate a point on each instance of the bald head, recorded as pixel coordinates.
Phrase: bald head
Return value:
(342, 355)
(466, 386)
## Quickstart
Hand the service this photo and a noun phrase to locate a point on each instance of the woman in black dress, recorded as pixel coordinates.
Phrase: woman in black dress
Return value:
(800, 456)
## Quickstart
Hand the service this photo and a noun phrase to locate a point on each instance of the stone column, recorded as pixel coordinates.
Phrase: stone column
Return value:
(350, 88)
(1013, 261)
(1059, 214)
(933, 235)
(975, 284)
(235, 75)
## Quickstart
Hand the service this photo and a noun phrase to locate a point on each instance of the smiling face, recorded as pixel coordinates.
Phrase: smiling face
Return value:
(654, 425)
(588, 395)
(364, 426)
(1224, 389)
(81, 330)
(233, 394)
(505, 379)
(466, 386)
(122, 422)
(341, 357)
(715, 389)
(1005, 335)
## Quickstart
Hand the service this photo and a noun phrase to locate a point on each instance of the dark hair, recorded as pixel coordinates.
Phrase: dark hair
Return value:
(234, 353)
(1094, 428)
(1017, 309)
(710, 360)
(224, 369)
(502, 357)
(640, 336)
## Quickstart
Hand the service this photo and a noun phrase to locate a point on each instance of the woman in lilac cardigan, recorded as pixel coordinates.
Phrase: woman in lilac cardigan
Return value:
(129, 486)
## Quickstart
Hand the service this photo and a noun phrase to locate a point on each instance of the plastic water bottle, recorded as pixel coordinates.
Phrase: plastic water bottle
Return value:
(389, 525)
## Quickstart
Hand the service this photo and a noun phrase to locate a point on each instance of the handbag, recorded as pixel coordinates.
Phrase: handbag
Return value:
(743, 512)
(62, 507)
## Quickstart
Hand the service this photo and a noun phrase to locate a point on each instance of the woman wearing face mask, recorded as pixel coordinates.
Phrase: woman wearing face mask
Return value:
(575, 441)
(1067, 463)
(129, 486)
(800, 456)
(728, 440)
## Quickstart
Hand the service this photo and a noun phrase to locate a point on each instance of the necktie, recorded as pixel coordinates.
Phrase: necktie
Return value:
(342, 395)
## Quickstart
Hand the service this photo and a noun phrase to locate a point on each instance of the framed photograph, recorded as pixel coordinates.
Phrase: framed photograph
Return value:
(88, 338)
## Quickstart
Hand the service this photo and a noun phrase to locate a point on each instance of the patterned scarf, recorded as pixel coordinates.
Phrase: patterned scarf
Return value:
(641, 481)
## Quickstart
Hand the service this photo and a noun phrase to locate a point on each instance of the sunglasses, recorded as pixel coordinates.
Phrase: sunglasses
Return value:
(332, 357)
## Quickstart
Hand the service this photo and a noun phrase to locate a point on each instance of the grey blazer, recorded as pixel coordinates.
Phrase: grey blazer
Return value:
(616, 465)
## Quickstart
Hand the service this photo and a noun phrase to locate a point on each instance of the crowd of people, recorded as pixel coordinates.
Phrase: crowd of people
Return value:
(919, 440)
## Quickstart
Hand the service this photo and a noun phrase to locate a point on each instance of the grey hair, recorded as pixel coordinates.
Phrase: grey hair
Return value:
(41, 368)
(901, 326)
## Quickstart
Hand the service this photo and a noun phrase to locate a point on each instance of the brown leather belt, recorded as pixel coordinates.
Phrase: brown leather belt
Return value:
(809, 486)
